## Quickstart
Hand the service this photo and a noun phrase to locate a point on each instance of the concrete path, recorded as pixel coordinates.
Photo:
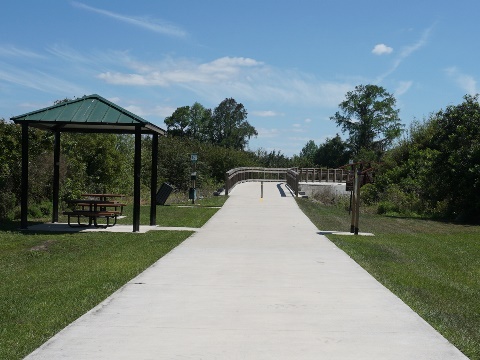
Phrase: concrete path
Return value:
(258, 282)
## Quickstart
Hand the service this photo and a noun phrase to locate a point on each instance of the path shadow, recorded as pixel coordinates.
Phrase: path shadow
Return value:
(282, 192)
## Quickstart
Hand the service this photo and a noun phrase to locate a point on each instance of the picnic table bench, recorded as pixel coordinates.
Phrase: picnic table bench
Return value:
(93, 209)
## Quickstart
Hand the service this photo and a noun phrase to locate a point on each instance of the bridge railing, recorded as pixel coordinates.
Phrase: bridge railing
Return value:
(234, 176)
(292, 176)
(323, 175)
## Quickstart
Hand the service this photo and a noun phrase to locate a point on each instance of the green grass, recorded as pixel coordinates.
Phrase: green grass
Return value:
(50, 279)
(434, 267)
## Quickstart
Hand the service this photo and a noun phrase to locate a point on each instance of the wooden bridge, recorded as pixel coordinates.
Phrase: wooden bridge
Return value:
(292, 176)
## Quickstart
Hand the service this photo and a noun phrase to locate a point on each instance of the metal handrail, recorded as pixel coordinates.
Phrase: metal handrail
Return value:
(292, 176)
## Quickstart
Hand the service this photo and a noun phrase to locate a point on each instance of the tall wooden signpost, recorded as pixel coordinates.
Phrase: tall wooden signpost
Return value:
(357, 177)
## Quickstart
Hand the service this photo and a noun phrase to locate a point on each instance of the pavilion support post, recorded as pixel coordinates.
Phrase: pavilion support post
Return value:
(24, 196)
(136, 178)
(56, 176)
(153, 184)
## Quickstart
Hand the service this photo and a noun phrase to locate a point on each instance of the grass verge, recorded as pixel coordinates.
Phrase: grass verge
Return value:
(434, 267)
(51, 279)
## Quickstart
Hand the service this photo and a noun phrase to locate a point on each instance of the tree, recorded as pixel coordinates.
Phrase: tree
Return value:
(368, 114)
(308, 152)
(229, 127)
(179, 121)
(200, 118)
(333, 153)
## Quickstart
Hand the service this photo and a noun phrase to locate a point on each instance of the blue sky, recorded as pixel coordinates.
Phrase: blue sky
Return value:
(290, 63)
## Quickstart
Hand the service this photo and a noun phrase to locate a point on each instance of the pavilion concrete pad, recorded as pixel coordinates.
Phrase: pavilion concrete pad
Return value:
(63, 227)
(257, 282)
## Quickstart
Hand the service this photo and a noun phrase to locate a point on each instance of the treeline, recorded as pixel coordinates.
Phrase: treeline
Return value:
(431, 169)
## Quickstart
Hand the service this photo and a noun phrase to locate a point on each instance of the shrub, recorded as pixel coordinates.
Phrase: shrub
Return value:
(369, 194)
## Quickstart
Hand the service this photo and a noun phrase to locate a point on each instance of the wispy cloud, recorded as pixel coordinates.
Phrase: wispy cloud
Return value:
(13, 51)
(403, 87)
(38, 80)
(382, 49)
(464, 81)
(406, 52)
(154, 25)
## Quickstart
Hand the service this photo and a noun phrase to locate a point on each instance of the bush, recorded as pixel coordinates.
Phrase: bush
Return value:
(395, 200)
(369, 194)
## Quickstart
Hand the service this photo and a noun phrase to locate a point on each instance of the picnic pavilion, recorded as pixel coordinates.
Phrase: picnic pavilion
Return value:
(89, 114)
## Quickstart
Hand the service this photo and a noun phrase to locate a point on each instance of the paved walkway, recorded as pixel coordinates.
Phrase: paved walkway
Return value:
(257, 282)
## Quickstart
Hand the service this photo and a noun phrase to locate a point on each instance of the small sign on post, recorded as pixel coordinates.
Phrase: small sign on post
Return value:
(192, 194)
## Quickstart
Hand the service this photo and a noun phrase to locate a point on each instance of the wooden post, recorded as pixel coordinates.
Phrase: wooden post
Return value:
(24, 199)
(354, 204)
(153, 181)
(56, 176)
(136, 178)
(357, 200)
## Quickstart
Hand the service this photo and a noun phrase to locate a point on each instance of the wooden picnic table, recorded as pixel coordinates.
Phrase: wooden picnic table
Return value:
(94, 209)
(103, 196)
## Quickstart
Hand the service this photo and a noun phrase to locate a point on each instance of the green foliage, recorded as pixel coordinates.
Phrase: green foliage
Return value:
(179, 121)
(226, 126)
(98, 162)
(40, 149)
(369, 194)
(308, 153)
(229, 125)
(437, 166)
(273, 159)
(333, 153)
(369, 116)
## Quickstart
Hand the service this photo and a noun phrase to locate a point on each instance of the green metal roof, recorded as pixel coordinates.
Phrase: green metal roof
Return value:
(90, 113)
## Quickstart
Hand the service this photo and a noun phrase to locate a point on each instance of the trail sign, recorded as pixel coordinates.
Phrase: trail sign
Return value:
(349, 186)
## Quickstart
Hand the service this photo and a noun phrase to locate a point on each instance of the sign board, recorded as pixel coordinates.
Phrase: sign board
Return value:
(194, 157)
(349, 185)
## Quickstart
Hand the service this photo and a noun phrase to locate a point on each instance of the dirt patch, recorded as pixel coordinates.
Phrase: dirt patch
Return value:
(43, 246)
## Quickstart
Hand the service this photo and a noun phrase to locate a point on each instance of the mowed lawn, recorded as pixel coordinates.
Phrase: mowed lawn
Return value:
(434, 267)
(50, 279)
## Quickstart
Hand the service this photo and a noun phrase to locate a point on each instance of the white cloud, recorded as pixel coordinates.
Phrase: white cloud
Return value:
(240, 77)
(382, 49)
(464, 81)
(308, 120)
(154, 25)
(181, 72)
(266, 113)
(268, 133)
